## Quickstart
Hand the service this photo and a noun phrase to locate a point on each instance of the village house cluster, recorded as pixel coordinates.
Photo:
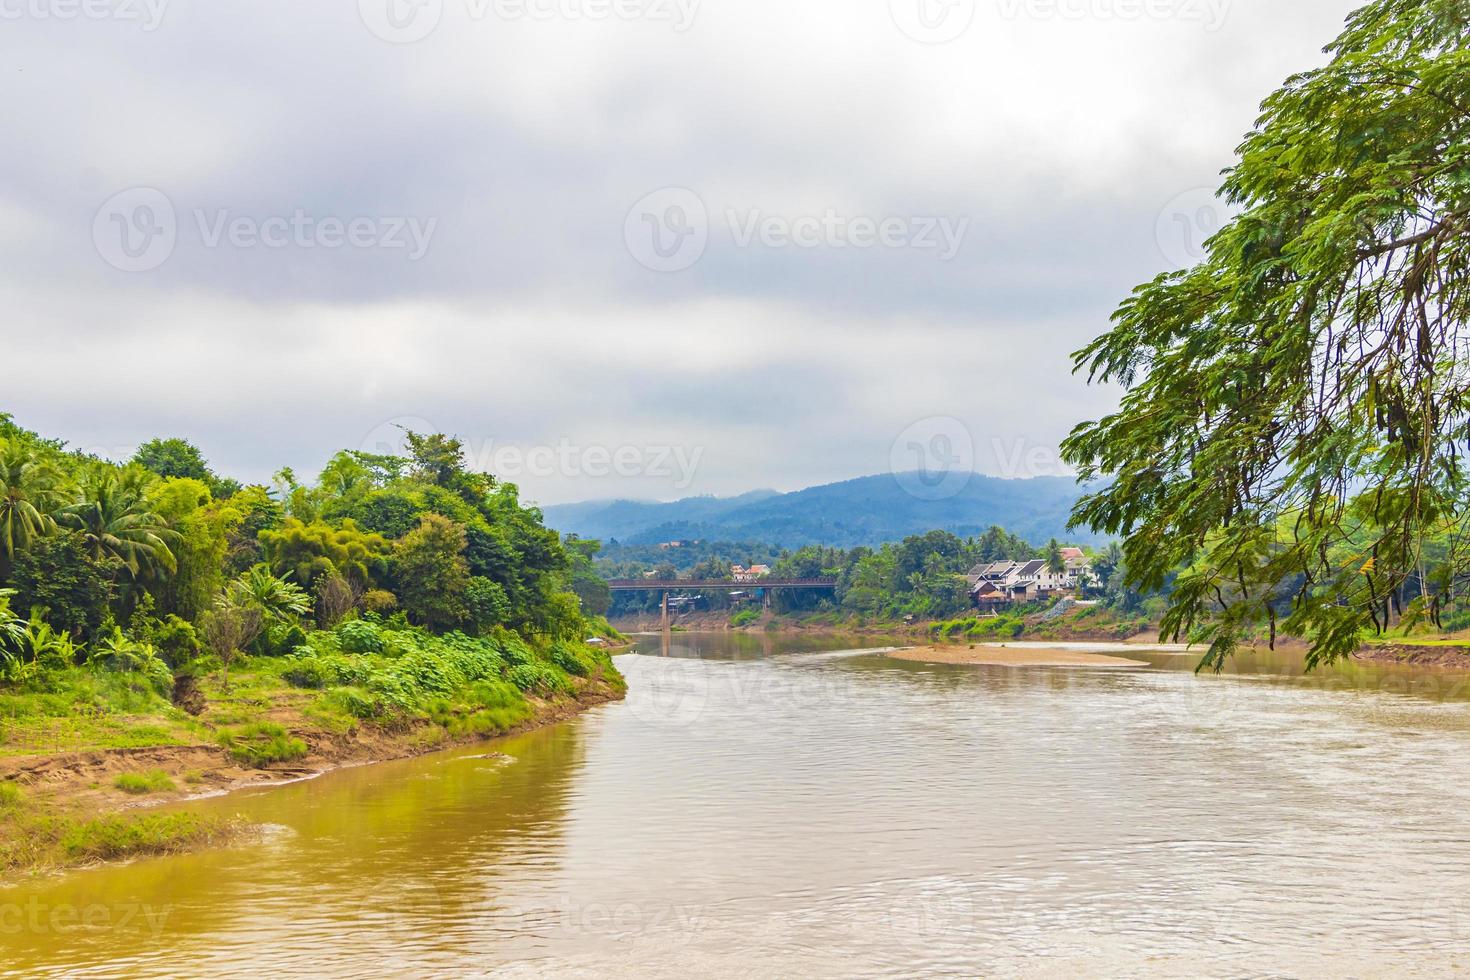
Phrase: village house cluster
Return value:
(1005, 582)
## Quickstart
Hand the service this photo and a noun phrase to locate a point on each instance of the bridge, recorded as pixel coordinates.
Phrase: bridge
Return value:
(717, 585)
(713, 585)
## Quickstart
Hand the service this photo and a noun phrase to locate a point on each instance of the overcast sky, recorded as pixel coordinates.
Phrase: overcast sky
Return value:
(709, 246)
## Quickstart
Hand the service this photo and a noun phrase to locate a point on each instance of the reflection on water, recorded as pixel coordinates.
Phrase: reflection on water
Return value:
(765, 806)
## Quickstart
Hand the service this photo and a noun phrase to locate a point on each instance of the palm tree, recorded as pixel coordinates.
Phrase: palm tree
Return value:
(344, 477)
(30, 493)
(115, 521)
(1055, 563)
(12, 627)
(275, 597)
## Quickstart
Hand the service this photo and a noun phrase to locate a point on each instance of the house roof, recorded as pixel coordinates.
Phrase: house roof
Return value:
(1071, 553)
(1031, 568)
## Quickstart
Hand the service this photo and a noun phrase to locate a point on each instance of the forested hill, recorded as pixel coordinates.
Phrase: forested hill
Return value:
(866, 511)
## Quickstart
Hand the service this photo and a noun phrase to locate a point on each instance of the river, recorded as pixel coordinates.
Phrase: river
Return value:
(786, 806)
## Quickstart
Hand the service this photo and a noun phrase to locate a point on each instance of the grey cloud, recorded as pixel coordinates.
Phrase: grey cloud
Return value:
(528, 319)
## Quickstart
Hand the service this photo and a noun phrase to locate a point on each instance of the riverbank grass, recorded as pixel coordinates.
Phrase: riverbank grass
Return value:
(140, 783)
(75, 745)
(36, 836)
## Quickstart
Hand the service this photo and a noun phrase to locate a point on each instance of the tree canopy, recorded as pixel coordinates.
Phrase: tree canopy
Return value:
(1292, 436)
(89, 543)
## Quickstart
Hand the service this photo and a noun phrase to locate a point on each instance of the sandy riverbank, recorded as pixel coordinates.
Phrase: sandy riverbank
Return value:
(998, 655)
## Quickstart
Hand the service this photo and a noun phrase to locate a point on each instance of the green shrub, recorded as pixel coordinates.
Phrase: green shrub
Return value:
(261, 743)
(357, 702)
(429, 674)
(118, 654)
(308, 672)
(495, 694)
(745, 617)
(392, 693)
(498, 707)
(538, 678)
(138, 783)
(176, 639)
(10, 797)
(401, 642)
(318, 644)
(569, 660)
(281, 639)
(514, 650)
(360, 636)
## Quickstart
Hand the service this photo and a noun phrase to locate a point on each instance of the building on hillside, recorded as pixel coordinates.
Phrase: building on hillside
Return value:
(1023, 581)
(992, 572)
(752, 574)
(1080, 569)
(988, 594)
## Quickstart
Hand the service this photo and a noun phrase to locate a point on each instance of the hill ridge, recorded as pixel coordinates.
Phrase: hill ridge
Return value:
(865, 510)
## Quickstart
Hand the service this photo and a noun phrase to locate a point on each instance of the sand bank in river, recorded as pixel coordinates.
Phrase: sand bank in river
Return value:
(985, 655)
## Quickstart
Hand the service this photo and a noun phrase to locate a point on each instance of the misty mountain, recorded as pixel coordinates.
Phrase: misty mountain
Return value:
(865, 511)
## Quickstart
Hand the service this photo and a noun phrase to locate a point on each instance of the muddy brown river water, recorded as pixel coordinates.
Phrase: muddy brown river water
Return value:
(777, 807)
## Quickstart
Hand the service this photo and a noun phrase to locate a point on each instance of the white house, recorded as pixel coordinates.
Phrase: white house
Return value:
(1017, 581)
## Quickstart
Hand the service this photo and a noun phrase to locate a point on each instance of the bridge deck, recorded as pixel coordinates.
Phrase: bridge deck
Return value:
(717, 585)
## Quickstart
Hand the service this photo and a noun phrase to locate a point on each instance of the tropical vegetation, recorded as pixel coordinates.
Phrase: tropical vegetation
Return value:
(922, 577)
(153, 603)
(1292, 441)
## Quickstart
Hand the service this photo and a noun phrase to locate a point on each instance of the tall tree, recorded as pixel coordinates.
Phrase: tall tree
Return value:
(432, 574)
(181, 459)
(115, 521)
(1298, 405)
(58, 574)
(1055, 563)
(173, 458)
(309, 551)
(30, 494)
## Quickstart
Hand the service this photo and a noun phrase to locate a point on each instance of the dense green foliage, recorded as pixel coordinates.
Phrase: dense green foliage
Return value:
(1293, 439)
(142, 568)
(921, 576)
